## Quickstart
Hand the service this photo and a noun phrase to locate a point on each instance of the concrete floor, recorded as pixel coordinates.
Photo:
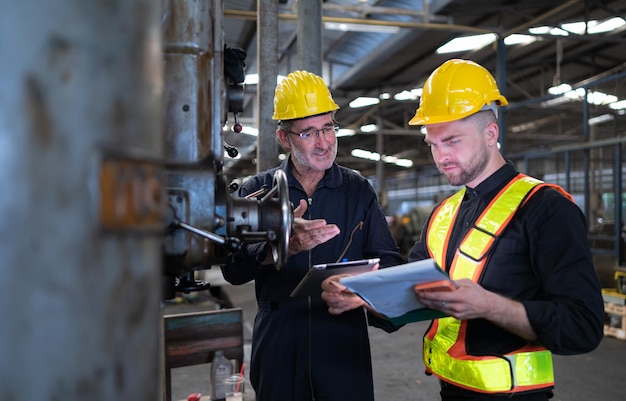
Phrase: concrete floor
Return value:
(398, 370)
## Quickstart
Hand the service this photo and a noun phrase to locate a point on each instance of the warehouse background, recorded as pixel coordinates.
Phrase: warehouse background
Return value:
(557, 62)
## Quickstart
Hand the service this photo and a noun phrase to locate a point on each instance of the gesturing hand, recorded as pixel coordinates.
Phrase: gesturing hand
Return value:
(307, 234)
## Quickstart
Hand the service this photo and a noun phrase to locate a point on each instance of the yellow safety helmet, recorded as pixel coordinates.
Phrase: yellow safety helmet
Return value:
(456, 89)
(302, 94)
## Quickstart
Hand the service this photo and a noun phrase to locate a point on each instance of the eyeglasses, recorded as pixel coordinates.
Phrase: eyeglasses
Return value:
(306, 134)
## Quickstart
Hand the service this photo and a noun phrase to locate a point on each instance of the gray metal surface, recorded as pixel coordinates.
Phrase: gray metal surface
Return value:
(79, 305)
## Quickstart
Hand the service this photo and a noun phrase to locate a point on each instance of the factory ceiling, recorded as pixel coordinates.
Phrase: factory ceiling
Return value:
(382, 64)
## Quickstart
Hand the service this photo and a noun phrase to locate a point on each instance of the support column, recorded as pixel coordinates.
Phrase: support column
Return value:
(267, 39)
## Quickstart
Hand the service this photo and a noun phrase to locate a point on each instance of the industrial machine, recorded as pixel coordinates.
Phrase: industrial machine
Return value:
(204, 220)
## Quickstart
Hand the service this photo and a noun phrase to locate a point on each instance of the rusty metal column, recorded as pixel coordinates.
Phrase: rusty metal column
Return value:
(193, 117)
(267, 43)
(309, 40)
(80, 291)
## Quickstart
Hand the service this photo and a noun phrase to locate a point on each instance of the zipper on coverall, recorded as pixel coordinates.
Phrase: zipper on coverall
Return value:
(310, 202)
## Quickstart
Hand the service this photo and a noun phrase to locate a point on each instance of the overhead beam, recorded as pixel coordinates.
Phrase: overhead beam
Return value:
(252, 16)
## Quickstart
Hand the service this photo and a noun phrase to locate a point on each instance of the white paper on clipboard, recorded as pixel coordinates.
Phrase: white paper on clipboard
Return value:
(390, 290)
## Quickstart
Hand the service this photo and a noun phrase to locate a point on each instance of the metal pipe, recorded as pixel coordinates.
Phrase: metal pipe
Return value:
(252, 16)
(540, 18)
(309, 38)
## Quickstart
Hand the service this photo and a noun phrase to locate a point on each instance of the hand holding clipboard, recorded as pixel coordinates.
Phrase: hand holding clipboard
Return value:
(311, 284)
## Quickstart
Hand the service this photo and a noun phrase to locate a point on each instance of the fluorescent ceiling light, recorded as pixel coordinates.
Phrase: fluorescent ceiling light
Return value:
(566, 92)
(578, 27)
(517, 39)
(369, 128)
(619, 105)
(404, 163)
(476, 42)
(576, 94)
(559, 89)
(466, 43)
(608, 25)
(600, 98)
(366, 154)
(601, 119)
(548, 30)
(594, 26)
(348, 27)
(556, 101)
(345, 132)
(412, 94)
(594, 97)
(363, 101)
(390, 159)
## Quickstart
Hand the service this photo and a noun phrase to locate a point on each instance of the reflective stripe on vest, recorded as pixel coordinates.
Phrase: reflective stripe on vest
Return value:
(444, 344)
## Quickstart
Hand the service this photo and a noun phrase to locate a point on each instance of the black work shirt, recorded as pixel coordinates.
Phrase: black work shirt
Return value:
(543, 260)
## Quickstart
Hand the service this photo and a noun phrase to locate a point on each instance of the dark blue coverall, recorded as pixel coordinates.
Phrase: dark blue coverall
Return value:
(300, 351)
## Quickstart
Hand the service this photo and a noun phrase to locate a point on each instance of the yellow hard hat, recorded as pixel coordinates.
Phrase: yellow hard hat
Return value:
(455, 90)
(302, 94)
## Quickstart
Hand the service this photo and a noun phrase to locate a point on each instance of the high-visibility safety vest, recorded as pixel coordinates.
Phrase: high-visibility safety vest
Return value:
(444, 354)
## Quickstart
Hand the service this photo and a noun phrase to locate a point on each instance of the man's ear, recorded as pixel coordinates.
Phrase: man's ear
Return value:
(493, 132)
(281, 137)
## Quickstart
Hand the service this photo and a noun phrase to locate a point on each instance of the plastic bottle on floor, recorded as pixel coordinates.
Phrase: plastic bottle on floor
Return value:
(221, 368)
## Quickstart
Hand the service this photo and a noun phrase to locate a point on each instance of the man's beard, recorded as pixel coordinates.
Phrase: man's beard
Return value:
(470, 171)
(305, 160)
